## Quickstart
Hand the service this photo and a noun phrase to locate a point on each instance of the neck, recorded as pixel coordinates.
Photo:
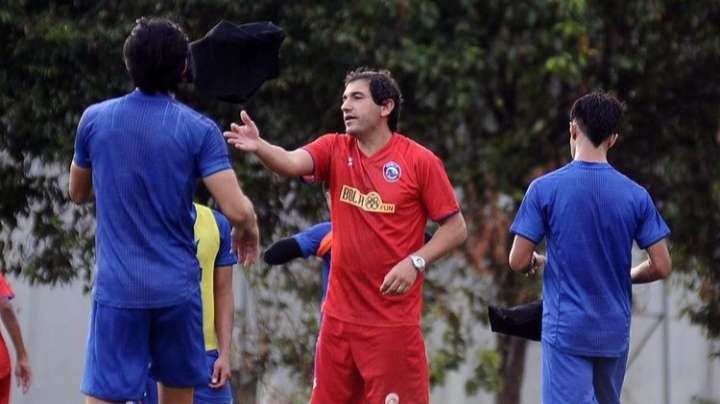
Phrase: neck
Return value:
(586, 151)
(370, 143)
(591, 156)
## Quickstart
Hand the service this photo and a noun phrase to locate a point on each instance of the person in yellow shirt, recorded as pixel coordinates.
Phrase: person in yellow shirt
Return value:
(213, 244)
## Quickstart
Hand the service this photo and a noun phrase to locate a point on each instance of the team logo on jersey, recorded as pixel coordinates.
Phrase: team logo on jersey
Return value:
(392, 398)
(370, 202)
(391, 171)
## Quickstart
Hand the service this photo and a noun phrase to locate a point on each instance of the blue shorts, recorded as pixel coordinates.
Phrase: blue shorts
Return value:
(122, 342)
(204, 394)
(568, 378)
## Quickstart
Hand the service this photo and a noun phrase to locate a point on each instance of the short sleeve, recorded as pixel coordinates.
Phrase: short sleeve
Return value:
(529, 222)
(213, 154)
(81, 156)
(6, 291)
(224, 257)
(321, 151)
(310, 239)
(651, 227)
(437, 193)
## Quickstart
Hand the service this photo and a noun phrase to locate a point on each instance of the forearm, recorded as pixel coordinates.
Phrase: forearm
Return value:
(224, 309)
(282, 251)
(13, 329)
(234, 204)
(521, 255)
(281, 161)
(449, 235)
(645, 272)
(244, 213)
(79, 184)
(657, 266)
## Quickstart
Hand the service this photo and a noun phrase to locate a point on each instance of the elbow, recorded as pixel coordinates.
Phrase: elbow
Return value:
(77, 197)
(515, 264)
(663, 269)
(461, 233)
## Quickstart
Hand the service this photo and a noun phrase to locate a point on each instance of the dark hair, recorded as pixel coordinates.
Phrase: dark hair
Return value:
(155, 54)
(598, 115)
(382, 88)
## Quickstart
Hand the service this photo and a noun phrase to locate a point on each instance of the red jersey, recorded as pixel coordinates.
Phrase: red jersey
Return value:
(6, 292)
(380, 206)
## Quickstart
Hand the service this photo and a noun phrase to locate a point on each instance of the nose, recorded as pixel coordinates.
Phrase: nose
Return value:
(345, 106)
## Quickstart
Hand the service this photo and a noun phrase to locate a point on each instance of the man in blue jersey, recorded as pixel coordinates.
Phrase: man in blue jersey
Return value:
(590, 214)
(143, 155)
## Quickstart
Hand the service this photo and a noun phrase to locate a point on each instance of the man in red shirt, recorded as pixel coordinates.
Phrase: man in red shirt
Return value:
(383, 187)
(22, 365)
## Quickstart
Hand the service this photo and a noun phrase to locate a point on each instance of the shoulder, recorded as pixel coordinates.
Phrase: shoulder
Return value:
(334, 137)
(97, 108)
(417, 153)
(194, 117)
(551, 178)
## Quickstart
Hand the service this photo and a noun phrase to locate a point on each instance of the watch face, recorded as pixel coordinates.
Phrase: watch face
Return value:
(418, 262)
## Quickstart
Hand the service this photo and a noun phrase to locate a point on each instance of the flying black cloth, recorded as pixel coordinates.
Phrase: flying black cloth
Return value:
(232, 61)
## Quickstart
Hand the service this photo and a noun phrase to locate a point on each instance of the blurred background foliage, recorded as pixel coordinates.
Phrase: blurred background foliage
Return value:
(487, 86)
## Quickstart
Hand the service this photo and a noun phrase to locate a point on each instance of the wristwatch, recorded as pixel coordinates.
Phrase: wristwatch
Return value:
(418, 262)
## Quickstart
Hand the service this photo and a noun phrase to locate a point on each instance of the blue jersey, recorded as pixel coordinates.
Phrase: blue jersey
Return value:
(317, 241)
(147, 153)
(590, 214)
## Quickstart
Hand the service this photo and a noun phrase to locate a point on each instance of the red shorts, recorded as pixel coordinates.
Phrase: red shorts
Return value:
(377, 365)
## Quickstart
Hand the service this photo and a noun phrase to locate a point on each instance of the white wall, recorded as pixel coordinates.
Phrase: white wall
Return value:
(54, 324)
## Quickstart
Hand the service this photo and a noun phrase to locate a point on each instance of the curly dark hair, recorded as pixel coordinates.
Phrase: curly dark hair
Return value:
(382, 88)
(155, 54)
(598, 115)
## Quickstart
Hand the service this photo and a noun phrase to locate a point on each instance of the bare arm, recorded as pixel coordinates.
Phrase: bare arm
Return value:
(449, 235)
(22, 367)
(224, 316)
(246, 137)
(80, 187)
(224, 187)
(657, 266)
(523, 257)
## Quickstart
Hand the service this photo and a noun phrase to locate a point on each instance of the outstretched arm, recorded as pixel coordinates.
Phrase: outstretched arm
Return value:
(282, 251)
(246, 137)
(657, 266)
(224, 316)
(23, 373)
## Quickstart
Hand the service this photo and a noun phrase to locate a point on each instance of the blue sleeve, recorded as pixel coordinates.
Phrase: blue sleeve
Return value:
(225, 257)
(81, 157)
(309, 240)
(651, 227)
(529, 222)
(213, 154)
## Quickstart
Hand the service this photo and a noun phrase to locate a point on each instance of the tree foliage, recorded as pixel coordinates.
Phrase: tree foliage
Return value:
(487, 86)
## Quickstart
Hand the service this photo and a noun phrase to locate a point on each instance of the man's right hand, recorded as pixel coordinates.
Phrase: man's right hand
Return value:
(245, 137)
(246, 243)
